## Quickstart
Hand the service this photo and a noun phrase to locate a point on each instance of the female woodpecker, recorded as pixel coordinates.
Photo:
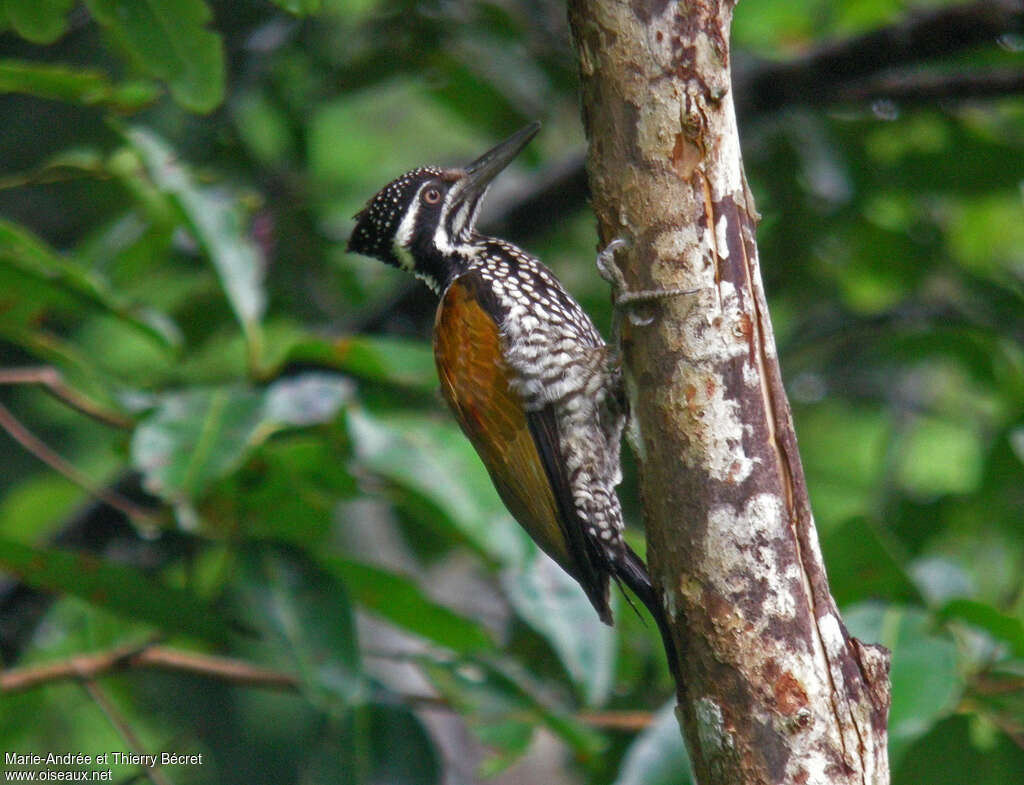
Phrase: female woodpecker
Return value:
(529, 378)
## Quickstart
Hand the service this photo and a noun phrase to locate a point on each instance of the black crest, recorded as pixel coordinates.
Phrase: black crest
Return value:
(377, 223)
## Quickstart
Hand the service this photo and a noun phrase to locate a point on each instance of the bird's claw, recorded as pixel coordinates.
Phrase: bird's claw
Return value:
(622, 296)
(606, 266)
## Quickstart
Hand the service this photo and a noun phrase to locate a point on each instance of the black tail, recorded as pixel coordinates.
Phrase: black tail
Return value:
(632, 571)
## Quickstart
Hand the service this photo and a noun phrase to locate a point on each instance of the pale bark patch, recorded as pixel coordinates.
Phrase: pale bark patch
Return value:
(715, 739)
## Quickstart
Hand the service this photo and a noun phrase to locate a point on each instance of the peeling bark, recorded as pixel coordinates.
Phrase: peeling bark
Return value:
(773, 689)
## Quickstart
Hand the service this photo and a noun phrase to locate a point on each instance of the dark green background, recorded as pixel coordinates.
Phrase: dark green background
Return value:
(176, 184)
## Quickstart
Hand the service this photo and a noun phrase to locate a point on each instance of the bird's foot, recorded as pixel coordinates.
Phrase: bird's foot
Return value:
(624, 298)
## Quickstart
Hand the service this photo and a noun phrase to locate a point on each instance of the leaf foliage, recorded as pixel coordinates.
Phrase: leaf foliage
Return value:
(176, 184)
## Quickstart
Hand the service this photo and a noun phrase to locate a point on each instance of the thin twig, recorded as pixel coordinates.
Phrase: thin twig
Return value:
(926, 87)
(146, 657)
(37, 447)
(823, 74)
(984, 685)
(53, 381)
(114, 716)
(1011, 726)
(632, 721)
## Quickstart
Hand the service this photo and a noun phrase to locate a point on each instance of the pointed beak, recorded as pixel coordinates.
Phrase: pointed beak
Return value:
(480, 173)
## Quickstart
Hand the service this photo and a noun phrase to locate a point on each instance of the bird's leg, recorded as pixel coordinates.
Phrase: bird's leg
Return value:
(623, 298)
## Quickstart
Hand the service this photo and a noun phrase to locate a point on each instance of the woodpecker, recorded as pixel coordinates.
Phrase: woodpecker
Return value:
(530, 380)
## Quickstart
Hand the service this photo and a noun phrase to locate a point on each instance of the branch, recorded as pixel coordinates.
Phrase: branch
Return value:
(86, 667)
(771, 687)
(845, 71)
(821, 76)
(928, 87)
(123, 728)
(629, 721)
(95, 527)
(38, 448)
(53, 382)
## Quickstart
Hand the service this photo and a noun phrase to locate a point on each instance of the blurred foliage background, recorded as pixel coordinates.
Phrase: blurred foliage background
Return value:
(221, 434)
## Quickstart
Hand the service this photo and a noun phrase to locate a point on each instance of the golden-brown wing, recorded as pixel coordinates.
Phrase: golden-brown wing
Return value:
(475, 382)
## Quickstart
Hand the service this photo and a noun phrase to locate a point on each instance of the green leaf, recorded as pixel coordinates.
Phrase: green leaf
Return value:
(39, 21)
(197, 436)
(217, 224)
(465, 86)
(951, 755)
(75, 363)
(27, 254)
(987, 233)
(441, 480)
(373, 148)
(658, 755)
(377, 358)
(114, 587)
(842, 447)
(63, 165)
(307, 399)
(400, 601)
(288, 492)
(419, 762)
(503, 707)
(299, 7)
(556, 606)
(1001, 626)
(194, 438)
(375, 743)
(34, 506)
(307, 620)
(506, 740)
(86, 86)
(169, 40)
(264, 127)
(941, 456)
(926, 683)
(862, 564)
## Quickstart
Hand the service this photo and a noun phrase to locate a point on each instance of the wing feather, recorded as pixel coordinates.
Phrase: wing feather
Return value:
(520, 450)
(586, 551)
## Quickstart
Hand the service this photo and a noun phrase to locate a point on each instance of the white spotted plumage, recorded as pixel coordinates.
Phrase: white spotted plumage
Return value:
(558, 358)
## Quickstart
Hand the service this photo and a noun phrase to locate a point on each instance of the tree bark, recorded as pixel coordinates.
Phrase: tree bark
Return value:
(772, 688)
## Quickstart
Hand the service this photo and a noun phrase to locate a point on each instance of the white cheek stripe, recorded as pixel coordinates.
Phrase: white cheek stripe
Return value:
(442, 242)
(465, 219)
(403, 236)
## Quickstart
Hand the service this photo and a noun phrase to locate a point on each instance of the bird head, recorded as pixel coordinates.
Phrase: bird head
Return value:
(423, 221)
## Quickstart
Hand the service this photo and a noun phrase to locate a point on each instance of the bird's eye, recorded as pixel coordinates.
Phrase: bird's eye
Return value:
(432, 196)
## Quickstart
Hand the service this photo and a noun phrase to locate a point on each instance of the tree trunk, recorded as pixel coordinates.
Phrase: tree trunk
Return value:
(772, 687)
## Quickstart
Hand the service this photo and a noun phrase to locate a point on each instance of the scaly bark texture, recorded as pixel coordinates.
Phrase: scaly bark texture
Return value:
(773, 689)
